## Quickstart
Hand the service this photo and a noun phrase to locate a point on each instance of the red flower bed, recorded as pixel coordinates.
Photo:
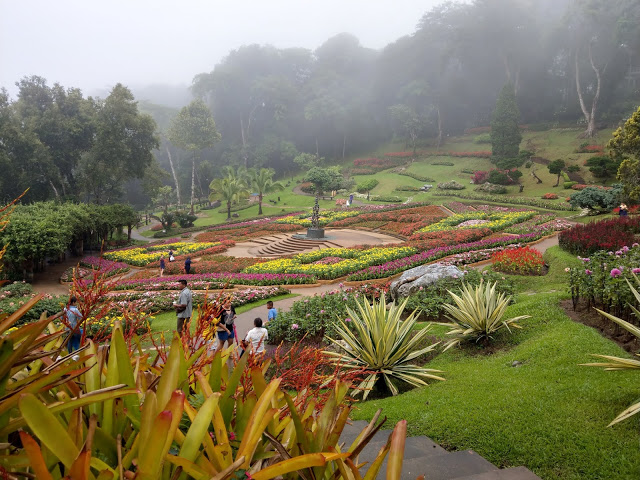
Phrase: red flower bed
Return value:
(604, 235)
(550, 196)
(214, 264)
(590, 149)
(519, 261)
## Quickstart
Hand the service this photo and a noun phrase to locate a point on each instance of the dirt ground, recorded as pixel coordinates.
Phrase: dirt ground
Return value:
(605, 326)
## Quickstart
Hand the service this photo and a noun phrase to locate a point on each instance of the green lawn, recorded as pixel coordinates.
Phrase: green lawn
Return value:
(550, 414)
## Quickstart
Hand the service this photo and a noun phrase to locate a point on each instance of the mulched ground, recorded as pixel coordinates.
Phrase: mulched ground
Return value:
(605, 326)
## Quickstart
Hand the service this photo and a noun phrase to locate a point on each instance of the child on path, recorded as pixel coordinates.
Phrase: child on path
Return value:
(162, 266)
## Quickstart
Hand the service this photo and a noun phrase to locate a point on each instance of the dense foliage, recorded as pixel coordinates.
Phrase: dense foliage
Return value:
(505, 129)
(604, 235)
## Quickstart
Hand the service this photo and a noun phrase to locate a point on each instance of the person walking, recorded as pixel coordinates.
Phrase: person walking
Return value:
(73, 316)
(272, 313)
(226, 326)
(162, 265)
(256, 337)
(171, 257)
(187, 265)
(184, 307)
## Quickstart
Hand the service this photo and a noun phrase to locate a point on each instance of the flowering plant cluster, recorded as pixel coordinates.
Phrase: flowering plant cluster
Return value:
(368, 166)
(341, 202)
(206, 281)
(395, 266)
(604, 235)
(426, 240)
(601, 280)
(533, 202)
(519, 261)
(14, 295)
(143, 256)
(540, 223)
(213, 264)
(326, 217)
(495, 221)
(104, 266)
(353, 259)
(550, 196)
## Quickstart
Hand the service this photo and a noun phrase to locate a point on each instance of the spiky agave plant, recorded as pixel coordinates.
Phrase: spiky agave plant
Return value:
(617, 363)
(384, 345)
(477, 314)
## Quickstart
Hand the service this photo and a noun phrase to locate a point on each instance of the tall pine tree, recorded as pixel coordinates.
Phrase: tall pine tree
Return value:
(505, 132)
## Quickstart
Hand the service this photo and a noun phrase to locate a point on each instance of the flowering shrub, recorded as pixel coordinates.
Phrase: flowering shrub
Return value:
(326, 217)
(550, 196)
(479, 177)
(519, 261)
(341, 202)
(540, 223)
(14, 295)
(601, 280)
(603, 235)
(452, 185)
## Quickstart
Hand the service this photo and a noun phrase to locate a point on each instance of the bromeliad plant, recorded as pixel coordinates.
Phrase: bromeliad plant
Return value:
(617, 363)
(477, 314)
(119, 414)
(383, 344)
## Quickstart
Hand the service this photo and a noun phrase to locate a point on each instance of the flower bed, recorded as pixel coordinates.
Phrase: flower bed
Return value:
(534, 202)
(550, 196)
(495, 221)
(458, 207)
(540, 223)
(326, 217)
(518, 261)
(206, 281)
(353, 260)
(141, 256)
(396, 266)
(603, 235)
(104, 266)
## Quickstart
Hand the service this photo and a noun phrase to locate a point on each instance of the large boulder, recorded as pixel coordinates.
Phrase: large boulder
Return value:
(423, 276)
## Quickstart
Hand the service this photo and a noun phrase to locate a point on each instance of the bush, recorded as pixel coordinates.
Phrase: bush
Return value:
(387, 198)
(452, 185)
(482, 138)
(367, 185)
(430, 301)
(307, 187)
(587, 148)
(518, 261)
(593, 197)
(528, 164)
(504, 177)
(573, 169)
(185, 219)
(550, 196)
(479, 177)
(407, 188)
(568, 185)
(446, 164)
(491, 188)
(510, 163)
(417, 176)
(565, 176)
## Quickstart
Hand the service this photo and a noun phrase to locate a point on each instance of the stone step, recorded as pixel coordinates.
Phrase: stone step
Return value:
(449, 466)
(515, 473)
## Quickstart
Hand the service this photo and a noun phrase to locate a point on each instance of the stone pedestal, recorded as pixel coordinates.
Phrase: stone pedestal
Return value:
(315, 232)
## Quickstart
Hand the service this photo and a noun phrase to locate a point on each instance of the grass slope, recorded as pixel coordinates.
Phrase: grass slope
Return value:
(550, 414)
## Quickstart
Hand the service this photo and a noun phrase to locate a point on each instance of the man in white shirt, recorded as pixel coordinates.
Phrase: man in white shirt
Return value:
(256, 337)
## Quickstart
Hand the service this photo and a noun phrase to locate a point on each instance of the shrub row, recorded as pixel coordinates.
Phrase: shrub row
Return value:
(511, 200)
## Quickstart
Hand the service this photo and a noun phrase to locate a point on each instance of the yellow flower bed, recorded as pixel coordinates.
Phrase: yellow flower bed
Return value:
(495, 221)
(353, 260)
(144, 256)
(324, 218)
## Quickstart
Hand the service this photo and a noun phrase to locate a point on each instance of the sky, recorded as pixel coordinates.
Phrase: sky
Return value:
(94, 44)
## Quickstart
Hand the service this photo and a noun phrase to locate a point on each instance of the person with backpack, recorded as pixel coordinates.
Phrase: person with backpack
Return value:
(73, 316)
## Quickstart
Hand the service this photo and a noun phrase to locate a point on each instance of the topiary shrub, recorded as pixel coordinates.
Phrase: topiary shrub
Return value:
(568, 185)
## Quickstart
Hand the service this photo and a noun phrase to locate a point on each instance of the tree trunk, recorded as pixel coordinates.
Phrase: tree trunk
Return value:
(344, 144)
(229, 210)
(589, 116)
(260, 204)
(558, 181)
(317, 149)
(536, 177)
(193, 181)
(439, 139)
(173, 172)
(244, 143)
(55, 190)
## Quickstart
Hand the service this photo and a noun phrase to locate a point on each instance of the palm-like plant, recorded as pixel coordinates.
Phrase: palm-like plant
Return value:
(617, 363)
(383, 345)
(228, 189)
(477, 314)
(262, 182)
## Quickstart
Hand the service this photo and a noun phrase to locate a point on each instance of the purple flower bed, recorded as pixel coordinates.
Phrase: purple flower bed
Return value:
(106, 267)
(249, 223)
(215, 280)
(401, 264)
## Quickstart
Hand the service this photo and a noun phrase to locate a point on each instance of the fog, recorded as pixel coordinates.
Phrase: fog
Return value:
(93, 45)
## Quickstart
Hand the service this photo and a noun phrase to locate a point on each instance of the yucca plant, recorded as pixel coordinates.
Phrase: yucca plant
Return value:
(383, 344)
(617, 363)
(477, 314)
